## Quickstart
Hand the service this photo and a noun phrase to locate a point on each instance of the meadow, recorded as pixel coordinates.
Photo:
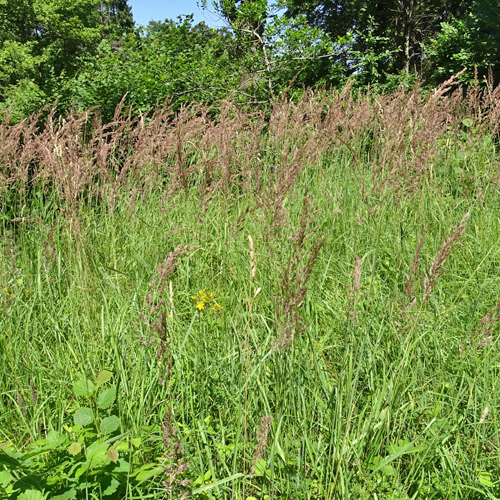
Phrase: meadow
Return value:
(301, 303)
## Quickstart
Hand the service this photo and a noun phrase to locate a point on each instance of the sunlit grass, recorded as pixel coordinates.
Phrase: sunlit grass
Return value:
(370, 386)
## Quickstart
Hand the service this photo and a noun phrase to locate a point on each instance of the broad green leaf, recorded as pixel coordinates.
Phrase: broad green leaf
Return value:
(84, 388)
(123, 466)
(82, 469)
(97, 448)
(74, 449)
(8, 460)
(83, 416)
(103, 377)
(67, 495)
(485, 479)
(147, 471)
(55, 438)
(5, 478)
(378, 465)
(122, 446)
(107, 397)
(111, 487)
(31, 495)
(109, 424)
(261, 469)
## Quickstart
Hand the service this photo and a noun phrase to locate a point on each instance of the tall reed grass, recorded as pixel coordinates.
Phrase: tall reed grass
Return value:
(347, 349)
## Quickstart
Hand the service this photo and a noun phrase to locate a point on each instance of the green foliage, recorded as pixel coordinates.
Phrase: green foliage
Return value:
(179, 63)
(43, 43)
(470, 42)
(87, 52)
(301, 55)
(277, 53)
(390, 37)
(85, 458)
(116, 17)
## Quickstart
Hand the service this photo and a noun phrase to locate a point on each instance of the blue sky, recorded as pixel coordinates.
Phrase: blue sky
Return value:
(158, 10)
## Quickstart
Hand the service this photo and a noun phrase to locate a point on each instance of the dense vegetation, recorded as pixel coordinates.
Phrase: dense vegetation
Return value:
(87, 52)
(252, 276)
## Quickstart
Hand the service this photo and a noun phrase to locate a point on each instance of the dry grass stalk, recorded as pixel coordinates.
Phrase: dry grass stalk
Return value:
(262, 435)
(304, 251)
(81, 158)
(253, 267)
(171, 299)
(484, 415)
(155, 317)
(436, 269)
(22, 404)
(175, 465)
(34, 398)
(483, 337)
(412, 278)
(355, 290)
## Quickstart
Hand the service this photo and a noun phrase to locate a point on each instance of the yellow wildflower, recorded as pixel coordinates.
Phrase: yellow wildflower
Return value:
(204, 300)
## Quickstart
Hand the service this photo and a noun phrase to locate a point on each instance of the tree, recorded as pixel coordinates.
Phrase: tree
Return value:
(167, 61)
(472, 42)
(397, 29)
(116, 16)
(43, 44)
(276, 52)
(40, 41)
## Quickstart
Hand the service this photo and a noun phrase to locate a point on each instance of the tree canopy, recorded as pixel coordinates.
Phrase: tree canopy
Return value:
(90, 53)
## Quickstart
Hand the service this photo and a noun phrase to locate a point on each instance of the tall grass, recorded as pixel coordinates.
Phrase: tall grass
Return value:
(350, 351)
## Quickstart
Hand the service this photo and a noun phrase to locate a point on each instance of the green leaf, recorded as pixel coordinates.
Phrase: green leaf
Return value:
(82, 469)
(261, 469)
(55, 438)
(122, 466)
(83, 416)
(9, 461)
(109, 424)
(147, 471)
(74, 449)
(31, 495)
(107, 397)
(397, 450)
(112, 487)
(216, 484)
(485, 479)
(97, 450)
(84, 388)
(103, 377)
(377, 464)
(67, 495)
(5, 478)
